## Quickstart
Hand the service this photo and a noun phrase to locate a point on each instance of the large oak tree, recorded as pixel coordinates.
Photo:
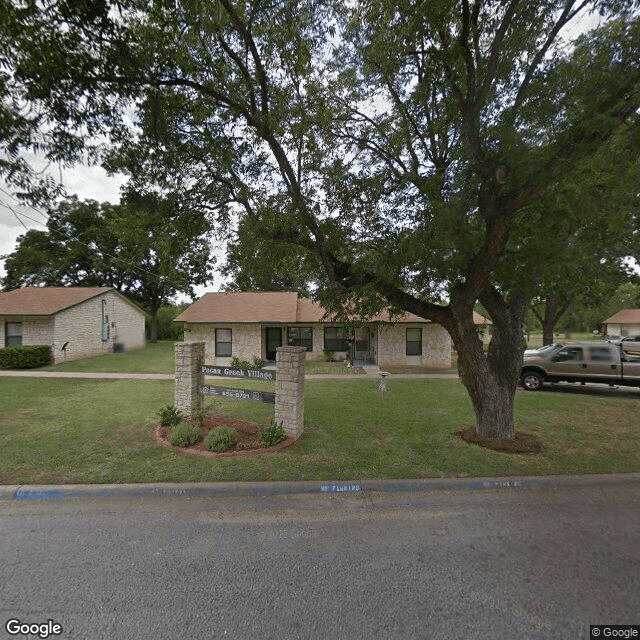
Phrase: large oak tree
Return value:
(146, 247)
(404, 145)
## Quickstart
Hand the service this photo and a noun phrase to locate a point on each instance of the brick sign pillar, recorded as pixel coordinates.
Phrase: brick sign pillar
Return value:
(290, 389)
(189, 376)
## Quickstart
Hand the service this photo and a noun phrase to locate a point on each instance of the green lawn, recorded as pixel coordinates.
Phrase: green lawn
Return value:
(153, 358)
(94, 431)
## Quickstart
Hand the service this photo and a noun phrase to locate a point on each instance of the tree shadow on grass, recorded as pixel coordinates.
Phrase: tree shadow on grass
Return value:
(522, 443)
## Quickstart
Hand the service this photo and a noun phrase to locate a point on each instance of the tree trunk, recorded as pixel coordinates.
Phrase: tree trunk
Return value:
(554, 309)
(490, 379)
(547, 330)
(153, 329)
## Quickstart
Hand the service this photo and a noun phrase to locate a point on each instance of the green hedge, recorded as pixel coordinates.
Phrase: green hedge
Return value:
(25, 356)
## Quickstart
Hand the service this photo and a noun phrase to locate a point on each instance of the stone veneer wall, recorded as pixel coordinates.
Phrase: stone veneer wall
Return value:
(289, 408)
(436, 346)
(81, 326)
(188, 376)
(34, 330)
(246, 340)
(290, 389)
(623, 330)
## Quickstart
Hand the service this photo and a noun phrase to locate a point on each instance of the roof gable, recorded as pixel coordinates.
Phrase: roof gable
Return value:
(45, 301)
(274, 306)
(261, 306)
(626, 316)
(268, 306)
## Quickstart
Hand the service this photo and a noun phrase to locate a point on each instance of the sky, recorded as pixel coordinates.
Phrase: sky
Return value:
(88, 183)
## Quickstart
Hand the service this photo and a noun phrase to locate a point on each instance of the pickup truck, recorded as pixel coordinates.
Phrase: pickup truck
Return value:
(580, 362)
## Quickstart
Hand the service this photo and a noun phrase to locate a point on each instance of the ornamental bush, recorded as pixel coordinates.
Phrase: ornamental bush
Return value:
(25, 356)
(272, 434)
(220, 439)
(184, 435)
(170, 416)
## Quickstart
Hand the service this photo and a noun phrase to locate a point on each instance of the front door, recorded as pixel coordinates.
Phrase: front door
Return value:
(361, 344)
(274, 340)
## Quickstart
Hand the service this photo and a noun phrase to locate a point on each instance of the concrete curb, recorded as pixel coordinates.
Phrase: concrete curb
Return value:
(19, 493)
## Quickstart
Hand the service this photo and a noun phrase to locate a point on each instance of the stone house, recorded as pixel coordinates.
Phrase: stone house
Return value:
(624, 323)
(248, 324)
(77, 321)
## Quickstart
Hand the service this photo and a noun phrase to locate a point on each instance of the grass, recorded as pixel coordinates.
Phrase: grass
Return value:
(335, 368)
(414, 369)
(153, 358)
(93, 431)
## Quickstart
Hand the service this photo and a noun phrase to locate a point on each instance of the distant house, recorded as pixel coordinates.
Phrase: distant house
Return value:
(624, 323)
(77, 321)
(484, 327)
(248, 324)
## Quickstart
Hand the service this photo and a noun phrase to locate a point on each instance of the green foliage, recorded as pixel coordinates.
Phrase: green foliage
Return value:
(441, 193)
(148, 248)
(198, 414)
(272, 434)
(25, 356)
(329, 356)
(170, 416)
(220, 439)
(241, 363)
(167, 329)
(184, 435)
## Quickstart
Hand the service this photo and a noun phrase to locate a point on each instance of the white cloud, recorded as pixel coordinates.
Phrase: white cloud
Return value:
(86, 182)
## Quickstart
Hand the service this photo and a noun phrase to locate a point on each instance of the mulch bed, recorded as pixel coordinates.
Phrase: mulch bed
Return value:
(248, 439)
(522, 443)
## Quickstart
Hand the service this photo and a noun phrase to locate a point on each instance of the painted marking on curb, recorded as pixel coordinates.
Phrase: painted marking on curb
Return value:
(340, 488)
(41, 494)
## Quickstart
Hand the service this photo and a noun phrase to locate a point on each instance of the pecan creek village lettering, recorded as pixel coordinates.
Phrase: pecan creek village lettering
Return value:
(232, 372)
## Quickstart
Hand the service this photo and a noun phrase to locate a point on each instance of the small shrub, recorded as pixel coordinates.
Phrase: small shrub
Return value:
(184, 435)
(329, 356)
(25, 356)
(220, 439)
(198, 414)
(242, 363)
(169, 416)
(272, 434)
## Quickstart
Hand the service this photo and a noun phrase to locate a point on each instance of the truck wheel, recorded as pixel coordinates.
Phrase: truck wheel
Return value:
(531, 381)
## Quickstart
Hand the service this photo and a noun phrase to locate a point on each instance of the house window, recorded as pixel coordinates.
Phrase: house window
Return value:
(300, 337)
(12, 334)
(414, 342)
(223, 343)
(335, 339)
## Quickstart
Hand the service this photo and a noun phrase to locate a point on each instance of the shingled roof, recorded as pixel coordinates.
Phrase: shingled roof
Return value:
(271, 306)
(626, 316)
(45, 301)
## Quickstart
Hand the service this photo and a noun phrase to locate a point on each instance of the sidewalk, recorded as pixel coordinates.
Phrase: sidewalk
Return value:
(14, 373)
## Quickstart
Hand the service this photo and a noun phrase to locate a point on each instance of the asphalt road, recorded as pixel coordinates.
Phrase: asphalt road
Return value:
(532, 562)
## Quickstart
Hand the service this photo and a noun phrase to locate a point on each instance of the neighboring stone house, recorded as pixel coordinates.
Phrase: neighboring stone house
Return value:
(247, 324)
(624, 323)
(85, 321)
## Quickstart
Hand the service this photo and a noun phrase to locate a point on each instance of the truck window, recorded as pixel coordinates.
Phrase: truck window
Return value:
(569, 353)
(601, 354)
